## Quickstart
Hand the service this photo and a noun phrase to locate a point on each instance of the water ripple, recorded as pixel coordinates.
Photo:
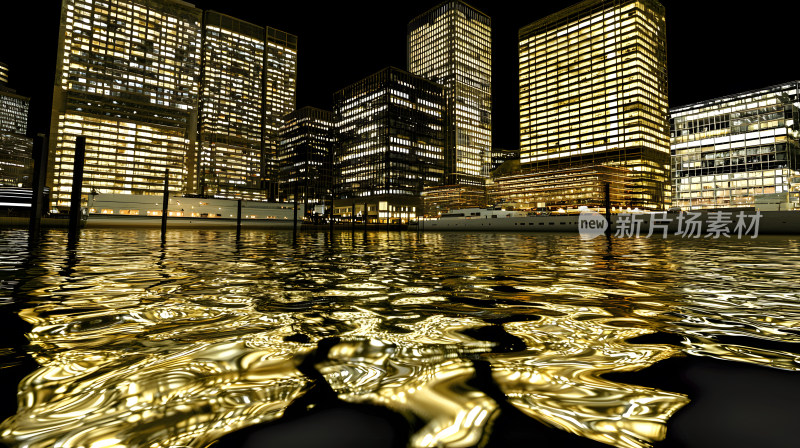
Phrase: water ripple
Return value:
(139, 344)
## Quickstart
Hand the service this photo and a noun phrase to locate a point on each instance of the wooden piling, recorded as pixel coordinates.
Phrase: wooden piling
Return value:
(37, 195)
(165, 205)
(77, 187)
(607, 197)
(330, 216)
(238, 217)
(294, 227)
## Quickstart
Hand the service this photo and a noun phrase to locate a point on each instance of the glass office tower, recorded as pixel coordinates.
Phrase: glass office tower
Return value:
(16, 149)
(127, 78)
(389, 140)
(305, 154)
(593, 92)
(280, 87)
(248, 81)
(451, 45)
(733, 151)
(157, 85)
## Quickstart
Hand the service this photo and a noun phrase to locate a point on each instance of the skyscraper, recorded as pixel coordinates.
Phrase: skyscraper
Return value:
(127, 77)
(16, 158)
(451, 45)
(280, 86)
(593, 92)
(248, 79)
(157, 85)
(389, 143)
(305, 156)
(734, 150)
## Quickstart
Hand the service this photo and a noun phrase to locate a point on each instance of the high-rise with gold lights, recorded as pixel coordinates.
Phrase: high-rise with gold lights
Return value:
(158, 85)
(593, 93)
(248, 86)
(16, 149)
(451, 45)
(127, 78)
(280, 86)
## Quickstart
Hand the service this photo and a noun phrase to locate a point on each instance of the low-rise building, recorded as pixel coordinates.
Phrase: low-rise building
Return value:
(731, 151)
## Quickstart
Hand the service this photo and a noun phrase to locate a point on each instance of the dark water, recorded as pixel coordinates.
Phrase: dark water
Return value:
(451, 339)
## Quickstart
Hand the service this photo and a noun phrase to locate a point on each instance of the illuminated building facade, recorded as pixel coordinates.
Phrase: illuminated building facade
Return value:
(729, 151)
(438, 200)
(248, 84)
(157, 85)
(562, 190)
(305, 154)
(127, 78)
(451, 45)
(16, 149)
(593, 92)
(280, 87)
(389, 138)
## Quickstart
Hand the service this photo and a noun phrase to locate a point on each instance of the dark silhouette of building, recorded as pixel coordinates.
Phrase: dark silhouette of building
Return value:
(305, 163)
(389, 143)
(16, 149)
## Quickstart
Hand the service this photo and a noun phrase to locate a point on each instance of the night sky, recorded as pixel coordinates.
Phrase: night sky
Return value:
(715, 47)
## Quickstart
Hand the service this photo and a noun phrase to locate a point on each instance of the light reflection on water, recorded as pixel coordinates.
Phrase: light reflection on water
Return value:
(139, 344)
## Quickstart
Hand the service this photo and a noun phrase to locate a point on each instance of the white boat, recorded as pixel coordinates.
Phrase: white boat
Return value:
(124, 210)
(723, 221)
(500, 220)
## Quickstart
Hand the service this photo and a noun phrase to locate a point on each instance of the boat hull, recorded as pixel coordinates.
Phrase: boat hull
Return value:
(186, 222)
(120, 210)
(770, 222)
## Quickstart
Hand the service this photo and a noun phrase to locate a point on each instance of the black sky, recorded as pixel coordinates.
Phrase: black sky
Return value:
(714, 47)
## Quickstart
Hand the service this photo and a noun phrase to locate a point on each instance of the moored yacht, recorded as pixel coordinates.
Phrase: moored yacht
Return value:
(699, 223)
(124, 210)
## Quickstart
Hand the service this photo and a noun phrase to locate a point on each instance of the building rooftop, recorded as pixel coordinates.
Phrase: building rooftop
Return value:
(736, 96)
(416, 21)
(577, 8)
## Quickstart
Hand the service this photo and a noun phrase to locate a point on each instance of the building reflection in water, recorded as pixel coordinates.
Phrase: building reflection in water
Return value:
(142, 349)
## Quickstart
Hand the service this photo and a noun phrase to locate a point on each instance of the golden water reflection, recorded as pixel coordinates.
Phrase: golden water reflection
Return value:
(557, 379)
(141, 346)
